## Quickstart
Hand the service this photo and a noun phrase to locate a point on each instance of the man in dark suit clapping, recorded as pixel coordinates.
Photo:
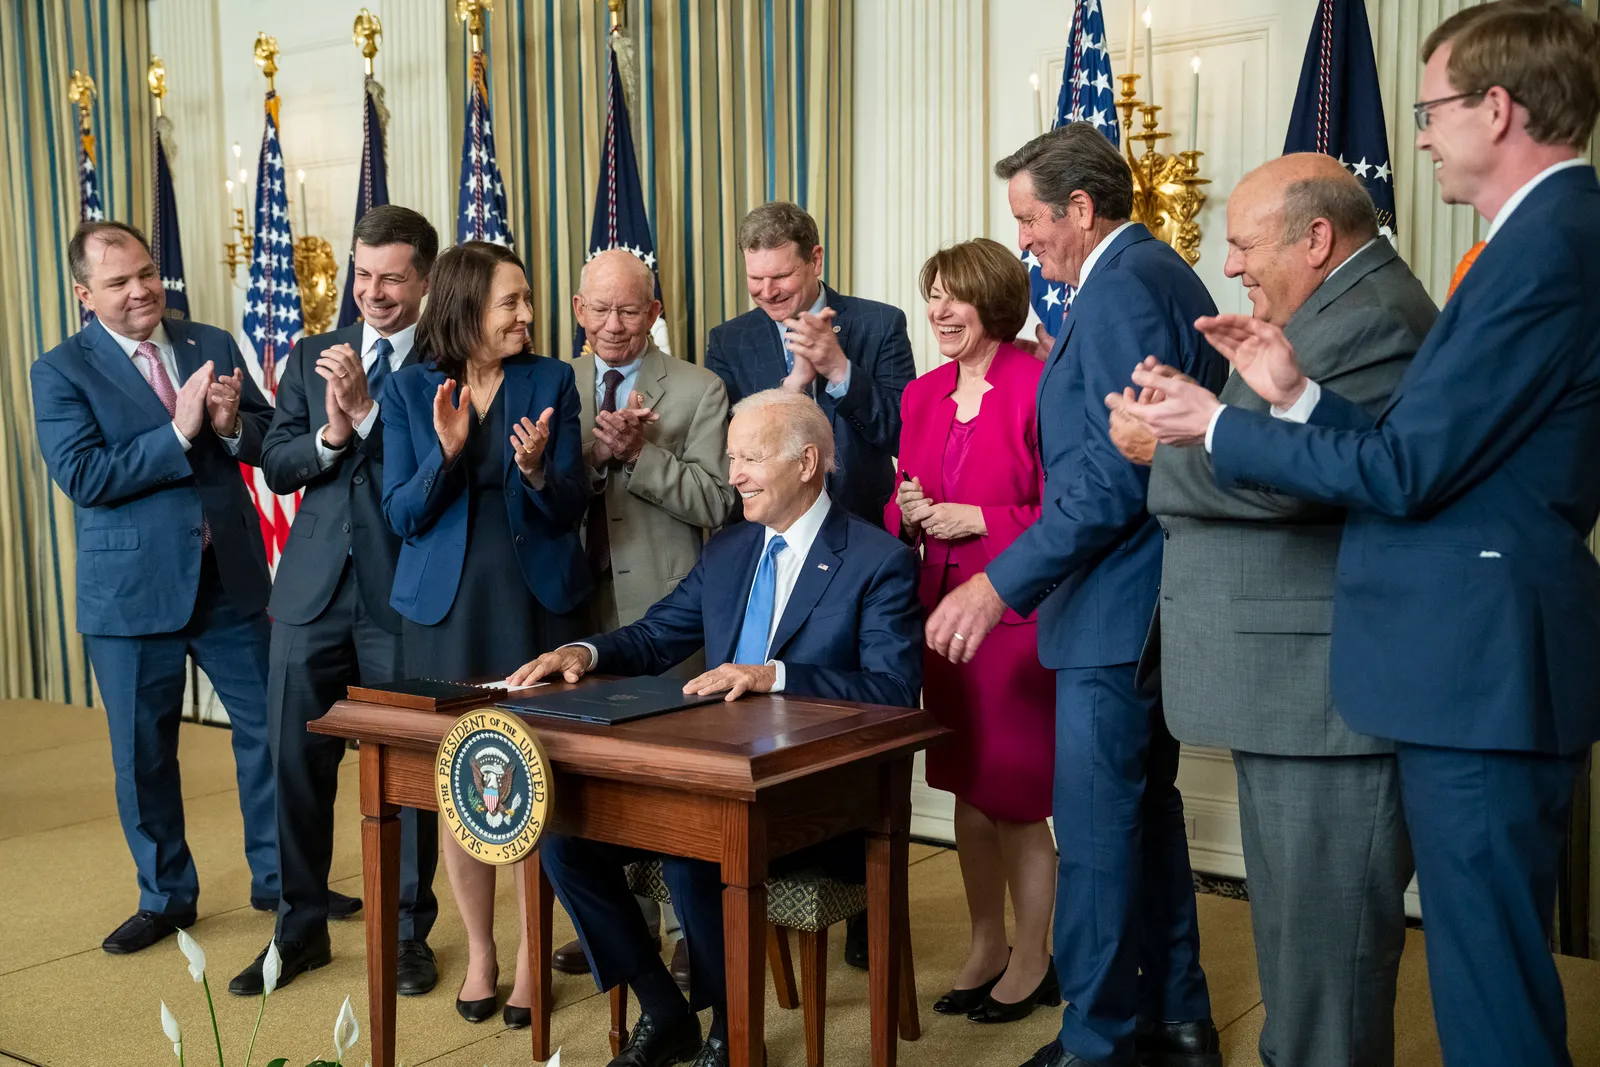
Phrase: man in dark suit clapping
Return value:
(852, 355)
(332, 624)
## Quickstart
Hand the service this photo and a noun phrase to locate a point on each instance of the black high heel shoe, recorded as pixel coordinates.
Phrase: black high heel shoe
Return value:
(476, 1011)
(961, 1001)
(517, 1018)
(998, 1011)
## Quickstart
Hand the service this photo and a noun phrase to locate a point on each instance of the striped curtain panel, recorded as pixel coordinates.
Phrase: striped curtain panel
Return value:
(733, 103)
(41, 43)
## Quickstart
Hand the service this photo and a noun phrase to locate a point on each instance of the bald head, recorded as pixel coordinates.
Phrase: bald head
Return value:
(616, 305)
(1291, 223)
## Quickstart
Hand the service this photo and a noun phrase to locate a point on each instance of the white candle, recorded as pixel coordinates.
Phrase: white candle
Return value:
(305, 231)
(244, 190)
(1194, 107)
(1038, 106)
(1133, 38)
(1149, 61)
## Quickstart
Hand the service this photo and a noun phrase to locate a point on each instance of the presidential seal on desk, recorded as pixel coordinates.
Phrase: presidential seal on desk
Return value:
(493, 781)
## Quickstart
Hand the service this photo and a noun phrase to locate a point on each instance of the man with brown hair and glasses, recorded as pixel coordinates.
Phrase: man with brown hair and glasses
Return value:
(1465, 617)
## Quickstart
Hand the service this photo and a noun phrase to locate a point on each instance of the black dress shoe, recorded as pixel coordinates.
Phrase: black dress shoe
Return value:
(855, 941)
(1053, 1055)
(569, 959)
(415, 971)
(476, 1011)
(144, 929)
(297, 956)
(341, 906)
(714, 1053)
(654, 1045)
(991, 1010)
(680, 966)
(1186, 1044)
(961, 1001)
(517, 1018)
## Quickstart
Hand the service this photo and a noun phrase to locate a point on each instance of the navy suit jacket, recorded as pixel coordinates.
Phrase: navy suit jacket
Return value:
(1467, 604)
(340, 517)
(426, 503)
(746, 354)
(1091, 565)
(852, 629)
(109, 444)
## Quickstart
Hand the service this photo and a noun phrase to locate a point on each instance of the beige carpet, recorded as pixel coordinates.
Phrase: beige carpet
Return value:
(66, 880)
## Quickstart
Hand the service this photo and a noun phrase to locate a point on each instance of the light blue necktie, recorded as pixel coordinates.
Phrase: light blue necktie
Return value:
(378, 373)
(758, 612)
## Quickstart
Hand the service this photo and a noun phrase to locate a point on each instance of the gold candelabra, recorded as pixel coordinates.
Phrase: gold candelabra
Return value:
(1167, 188)
(236, 253)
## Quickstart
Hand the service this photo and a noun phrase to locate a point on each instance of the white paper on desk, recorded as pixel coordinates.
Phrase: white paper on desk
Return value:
(508, 687)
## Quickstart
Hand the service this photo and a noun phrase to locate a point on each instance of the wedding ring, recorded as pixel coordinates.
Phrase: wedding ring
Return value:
(958, 637)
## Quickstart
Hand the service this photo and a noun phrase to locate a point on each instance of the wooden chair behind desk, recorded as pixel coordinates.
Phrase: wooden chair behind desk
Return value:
(808, 903)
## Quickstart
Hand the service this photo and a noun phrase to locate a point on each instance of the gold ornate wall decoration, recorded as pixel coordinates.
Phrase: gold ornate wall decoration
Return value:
(317, 273)
(1167, 188)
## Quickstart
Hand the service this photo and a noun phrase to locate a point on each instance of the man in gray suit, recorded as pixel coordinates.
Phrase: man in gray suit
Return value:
(655, 437)
(1241, 631)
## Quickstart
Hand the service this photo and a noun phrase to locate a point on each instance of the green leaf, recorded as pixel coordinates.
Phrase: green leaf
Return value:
(281, 1061)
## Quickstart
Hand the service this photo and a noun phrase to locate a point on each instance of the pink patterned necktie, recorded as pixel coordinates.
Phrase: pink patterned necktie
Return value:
(161, 385)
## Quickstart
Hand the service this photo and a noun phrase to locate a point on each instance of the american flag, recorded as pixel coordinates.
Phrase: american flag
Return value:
(1086, 96)
(481, 213)
(165, 242)
(373, 190)
(619, 216)
(1338, 107)
(273, 320)
(89, 206)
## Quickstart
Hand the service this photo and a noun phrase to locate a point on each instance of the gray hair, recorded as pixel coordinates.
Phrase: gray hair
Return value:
(1340, 199)
(802, 421)
(775, 224)
(643, 276)
(1069, 159)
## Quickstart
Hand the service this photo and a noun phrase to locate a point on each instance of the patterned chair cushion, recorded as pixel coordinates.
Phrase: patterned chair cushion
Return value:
(804, 900)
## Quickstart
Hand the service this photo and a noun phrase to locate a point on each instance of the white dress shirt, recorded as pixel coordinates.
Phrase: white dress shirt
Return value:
(797, 539)
(402, 340)
(630, 375)
(1094, 255)
(1300, 410)
(169, 363)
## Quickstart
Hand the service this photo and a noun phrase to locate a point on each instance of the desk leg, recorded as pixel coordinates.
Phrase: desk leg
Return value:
(536, 918)
(887, 862)
(744, 921)
(380, 877)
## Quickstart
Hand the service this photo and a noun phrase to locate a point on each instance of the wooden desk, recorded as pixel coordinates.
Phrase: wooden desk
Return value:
(736, 784)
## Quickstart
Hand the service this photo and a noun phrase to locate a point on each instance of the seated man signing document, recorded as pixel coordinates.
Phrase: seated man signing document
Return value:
(803, 598)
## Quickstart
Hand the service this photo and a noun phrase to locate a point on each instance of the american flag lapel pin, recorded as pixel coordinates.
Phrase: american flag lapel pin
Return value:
(822, 566)
(191, 340)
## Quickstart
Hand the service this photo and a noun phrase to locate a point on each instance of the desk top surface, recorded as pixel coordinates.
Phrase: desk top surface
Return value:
(733, 749)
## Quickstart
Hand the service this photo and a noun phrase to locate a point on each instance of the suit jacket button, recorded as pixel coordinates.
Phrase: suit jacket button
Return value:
(345, 527)
(519, 539)
(194, 531)
(305, 472)
(359, 479)
(510, 493)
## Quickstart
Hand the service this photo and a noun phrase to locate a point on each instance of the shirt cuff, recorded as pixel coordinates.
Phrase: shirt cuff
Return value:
(327, 455)
(1211, 427)
(183, 441)
(777, 665)
(1300, 410)
(364, 427)
(232, 443)
(841, 387)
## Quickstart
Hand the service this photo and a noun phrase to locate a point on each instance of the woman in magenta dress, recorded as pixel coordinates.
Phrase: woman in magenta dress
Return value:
(970, 484)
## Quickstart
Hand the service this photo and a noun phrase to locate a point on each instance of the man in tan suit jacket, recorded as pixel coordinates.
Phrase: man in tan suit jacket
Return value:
(658, 462)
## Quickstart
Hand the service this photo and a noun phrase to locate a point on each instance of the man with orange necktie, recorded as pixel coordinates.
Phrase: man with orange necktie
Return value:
(1465, 611)
(170, 558)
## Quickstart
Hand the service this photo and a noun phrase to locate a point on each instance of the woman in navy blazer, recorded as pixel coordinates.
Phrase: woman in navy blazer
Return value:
(483, 486)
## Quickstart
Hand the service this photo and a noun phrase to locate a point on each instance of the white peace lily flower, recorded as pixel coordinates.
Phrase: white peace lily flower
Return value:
(271, 968)
(169, 1026)
(194, 953)
(346, 1031)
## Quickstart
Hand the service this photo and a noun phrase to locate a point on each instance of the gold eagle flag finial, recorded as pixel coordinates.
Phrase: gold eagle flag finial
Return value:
(80, 90)
(471, 12)
(266, 52)
(368, 35)
(155, 77)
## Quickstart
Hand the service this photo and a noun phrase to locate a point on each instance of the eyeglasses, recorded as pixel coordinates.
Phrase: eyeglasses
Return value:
(630, 316)
(1421, 110)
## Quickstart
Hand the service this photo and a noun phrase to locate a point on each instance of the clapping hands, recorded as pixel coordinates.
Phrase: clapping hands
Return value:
(619, 435)
(812, 342)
